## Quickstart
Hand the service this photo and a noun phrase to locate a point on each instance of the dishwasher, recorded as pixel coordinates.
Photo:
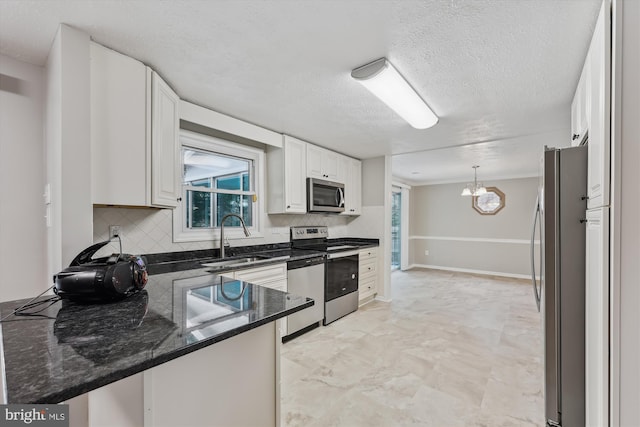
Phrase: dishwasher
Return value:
(305, 277)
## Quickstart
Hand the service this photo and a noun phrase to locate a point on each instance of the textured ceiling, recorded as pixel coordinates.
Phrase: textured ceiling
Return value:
(497, 71)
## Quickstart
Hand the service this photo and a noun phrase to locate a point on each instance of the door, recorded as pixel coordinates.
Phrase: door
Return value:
(597, 325)
(166, 175)
(295, 175)
(396, 221)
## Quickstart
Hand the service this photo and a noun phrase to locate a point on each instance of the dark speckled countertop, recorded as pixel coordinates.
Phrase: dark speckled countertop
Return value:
(77, 348)
(73, 348)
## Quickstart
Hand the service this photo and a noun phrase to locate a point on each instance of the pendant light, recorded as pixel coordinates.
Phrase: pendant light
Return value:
(474, 189)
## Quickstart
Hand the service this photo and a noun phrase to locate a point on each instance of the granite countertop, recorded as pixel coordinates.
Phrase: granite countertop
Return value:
(273, 253)
(359, 243)
(74, 348)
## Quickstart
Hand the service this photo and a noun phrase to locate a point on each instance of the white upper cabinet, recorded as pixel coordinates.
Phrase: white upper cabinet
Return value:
(322, 163)
(120, 87)
(599, 112)
(134, 133)
(286, 177)
(353, 187)
(166, 176)
(590, 110)
(580, 106)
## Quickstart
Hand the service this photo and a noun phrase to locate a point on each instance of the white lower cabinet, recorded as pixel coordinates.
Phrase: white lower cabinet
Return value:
(597, 317)
(367, 273)
(235, 382)
(270, 276)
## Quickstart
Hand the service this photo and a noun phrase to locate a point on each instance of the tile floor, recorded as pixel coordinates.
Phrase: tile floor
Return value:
(451, 349)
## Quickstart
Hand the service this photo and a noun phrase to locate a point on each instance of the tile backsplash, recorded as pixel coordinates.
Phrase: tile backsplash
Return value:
(146, 231)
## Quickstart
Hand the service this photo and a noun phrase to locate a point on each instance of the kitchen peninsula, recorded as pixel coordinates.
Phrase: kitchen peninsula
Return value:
(203, 348)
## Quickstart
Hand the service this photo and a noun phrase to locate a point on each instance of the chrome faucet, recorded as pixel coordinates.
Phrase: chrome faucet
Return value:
(224, 218)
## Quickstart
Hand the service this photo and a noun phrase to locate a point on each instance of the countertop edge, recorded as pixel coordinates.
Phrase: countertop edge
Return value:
(75, 391)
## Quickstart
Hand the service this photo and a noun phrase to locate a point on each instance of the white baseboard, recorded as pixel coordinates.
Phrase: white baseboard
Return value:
(382, 299)
(469, 270)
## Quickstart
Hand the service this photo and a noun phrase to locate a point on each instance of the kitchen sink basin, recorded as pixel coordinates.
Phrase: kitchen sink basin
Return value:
(219, 264)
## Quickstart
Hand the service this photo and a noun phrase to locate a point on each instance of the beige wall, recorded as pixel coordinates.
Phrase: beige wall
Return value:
(22, 224)
(373, 176)
(457, 237)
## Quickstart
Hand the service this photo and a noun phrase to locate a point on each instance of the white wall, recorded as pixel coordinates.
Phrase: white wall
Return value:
(68, 159)
(68, 155)
(22, 224)
(459, 238)
(625, 242)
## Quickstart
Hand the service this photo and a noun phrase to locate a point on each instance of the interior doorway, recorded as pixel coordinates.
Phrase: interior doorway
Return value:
(396, 228)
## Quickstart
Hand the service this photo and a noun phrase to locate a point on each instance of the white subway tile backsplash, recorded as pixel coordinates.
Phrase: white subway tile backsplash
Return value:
(150, 230)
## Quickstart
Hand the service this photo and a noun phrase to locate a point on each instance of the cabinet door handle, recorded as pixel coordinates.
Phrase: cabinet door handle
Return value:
(575, 136)
(288, 206)
(179, 199)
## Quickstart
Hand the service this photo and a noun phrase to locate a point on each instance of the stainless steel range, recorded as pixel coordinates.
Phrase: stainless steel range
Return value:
(341, 270)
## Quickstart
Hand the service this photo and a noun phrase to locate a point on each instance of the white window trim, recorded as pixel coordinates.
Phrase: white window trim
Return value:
(210, 143)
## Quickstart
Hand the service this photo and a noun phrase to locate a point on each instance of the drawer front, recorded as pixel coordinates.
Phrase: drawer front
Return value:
(367, 267)
(367, 286)
(261, 275)
(367, 254)
(367, 289)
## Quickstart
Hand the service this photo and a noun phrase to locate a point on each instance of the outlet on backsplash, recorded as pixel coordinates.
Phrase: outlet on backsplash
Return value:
(115, 231)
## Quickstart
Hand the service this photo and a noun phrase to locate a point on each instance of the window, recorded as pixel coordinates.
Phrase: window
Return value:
(489, 203)
(218, 177)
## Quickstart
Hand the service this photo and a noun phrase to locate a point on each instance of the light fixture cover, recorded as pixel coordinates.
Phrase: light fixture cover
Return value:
(384, 81)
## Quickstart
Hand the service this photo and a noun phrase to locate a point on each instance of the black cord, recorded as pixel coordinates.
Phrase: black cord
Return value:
(51, 301)
(20, 311)
(120, 240)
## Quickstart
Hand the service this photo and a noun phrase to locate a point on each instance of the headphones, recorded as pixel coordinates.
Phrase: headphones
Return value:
(103, 279)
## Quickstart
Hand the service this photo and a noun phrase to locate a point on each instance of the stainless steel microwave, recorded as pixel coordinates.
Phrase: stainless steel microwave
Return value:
(324, 196)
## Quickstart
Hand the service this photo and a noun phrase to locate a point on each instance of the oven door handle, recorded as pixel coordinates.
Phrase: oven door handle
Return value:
(342, 254)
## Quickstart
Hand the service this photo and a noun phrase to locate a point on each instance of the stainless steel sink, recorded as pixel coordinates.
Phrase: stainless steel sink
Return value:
(219, 264)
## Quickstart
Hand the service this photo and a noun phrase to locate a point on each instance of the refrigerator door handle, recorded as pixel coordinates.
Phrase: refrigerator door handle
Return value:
(536, 215)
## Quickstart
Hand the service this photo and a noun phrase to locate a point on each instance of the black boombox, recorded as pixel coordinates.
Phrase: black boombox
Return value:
(101, 279)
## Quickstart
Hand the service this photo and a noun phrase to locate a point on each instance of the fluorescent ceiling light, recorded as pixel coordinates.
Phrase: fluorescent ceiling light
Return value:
(385, 82)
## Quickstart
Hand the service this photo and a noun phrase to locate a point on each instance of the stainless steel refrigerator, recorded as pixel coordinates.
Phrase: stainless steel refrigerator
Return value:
(559, 220)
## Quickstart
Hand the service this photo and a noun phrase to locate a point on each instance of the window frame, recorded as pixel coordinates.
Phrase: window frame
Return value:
(222, 147)
(501, 205)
